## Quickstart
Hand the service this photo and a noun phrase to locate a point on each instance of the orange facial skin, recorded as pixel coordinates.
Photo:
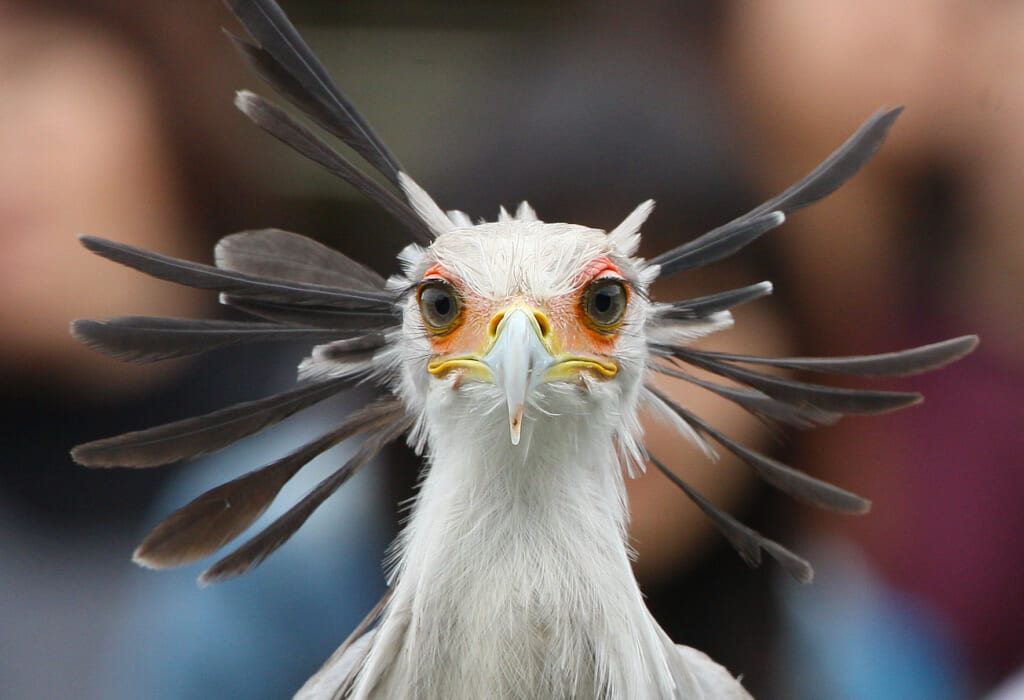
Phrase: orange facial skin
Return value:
(570, 333)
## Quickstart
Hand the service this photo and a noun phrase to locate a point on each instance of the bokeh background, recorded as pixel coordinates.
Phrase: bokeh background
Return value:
(116, 121)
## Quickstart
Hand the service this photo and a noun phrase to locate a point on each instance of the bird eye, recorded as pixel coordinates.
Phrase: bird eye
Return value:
(439, 306)
(604, 304)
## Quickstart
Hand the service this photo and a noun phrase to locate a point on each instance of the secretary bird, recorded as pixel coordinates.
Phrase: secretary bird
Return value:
(514, 355)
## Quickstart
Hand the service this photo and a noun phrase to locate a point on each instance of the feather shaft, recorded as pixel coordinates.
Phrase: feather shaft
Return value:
(153, 338)
(222, 513)
(826, 398)
(746, 541)
(199, 435)
(287, 63)
(257, 549)
(282, 126)
(201, 276)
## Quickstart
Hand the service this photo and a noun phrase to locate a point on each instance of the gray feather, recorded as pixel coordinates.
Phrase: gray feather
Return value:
(222, 513)
(192, 437)
(238, 284)
(747, 542)
(890, 364)
(758, 403)
(287, 63)
(257, 549)
(785, 478)
(282, 126)
(839, 167)
(700, 308)
(289, 256)
(826, 398)
(153, 338)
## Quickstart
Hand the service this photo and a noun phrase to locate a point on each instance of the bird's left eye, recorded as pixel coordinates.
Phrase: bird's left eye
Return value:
(439, 306)
(604, 304)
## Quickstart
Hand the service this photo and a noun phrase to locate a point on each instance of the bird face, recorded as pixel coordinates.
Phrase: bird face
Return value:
(520, 313)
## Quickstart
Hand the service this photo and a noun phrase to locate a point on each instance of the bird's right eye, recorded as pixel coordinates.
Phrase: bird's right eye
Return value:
(439, 305)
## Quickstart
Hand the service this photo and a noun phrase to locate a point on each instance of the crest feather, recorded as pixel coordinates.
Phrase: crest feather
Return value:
(626, 236)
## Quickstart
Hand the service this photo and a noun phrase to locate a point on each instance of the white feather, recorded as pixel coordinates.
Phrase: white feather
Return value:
(460, 218)
(626, 236)
(431, 214)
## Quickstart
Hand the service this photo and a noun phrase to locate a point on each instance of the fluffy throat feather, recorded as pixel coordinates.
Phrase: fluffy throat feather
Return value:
(567, 465)
(514, 570)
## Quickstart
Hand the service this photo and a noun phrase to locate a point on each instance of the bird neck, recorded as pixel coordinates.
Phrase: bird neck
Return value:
(563, 479)
(513, 572)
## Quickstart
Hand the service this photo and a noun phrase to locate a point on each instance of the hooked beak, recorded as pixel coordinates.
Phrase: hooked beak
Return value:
(518, 359)
(519, 355)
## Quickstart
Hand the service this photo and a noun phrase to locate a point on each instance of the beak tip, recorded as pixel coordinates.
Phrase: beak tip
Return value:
(515, 424)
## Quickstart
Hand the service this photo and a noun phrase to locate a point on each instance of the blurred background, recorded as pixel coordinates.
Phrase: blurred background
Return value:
(116, 121)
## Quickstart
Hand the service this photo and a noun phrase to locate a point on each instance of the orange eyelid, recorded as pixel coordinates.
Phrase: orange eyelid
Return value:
(601, 267)
(437, 272)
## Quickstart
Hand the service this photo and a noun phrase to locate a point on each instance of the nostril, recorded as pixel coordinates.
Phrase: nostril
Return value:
(492, 328)
(543, 323)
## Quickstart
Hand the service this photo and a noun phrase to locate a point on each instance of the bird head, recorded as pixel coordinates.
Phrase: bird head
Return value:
(522, 319)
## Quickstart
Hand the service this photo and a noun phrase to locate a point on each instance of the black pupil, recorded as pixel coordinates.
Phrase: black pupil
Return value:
(438, 305)
(442, 304)
(603, 301)
(607, 302)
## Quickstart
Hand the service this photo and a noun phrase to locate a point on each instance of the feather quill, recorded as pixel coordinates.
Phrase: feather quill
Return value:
(791, 481)
(287, 63)
(221, 514)
(289, 256)
(199, 435)
(839, 167)
(748, 542)
(153, 338)
(253, 552)
(282, 126)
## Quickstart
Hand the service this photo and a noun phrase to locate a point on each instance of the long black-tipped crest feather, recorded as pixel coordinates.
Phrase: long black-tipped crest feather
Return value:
(758, 403)
(785, 478)
(345, 320)
(840, 166)
(282, 126)
(283, 255)
(829, 175)
(890, 364)
(700, 308)
(717, 244)
(253, 552)
(239, 284)
(826, 398)
(153, 338)
(222, 513)
(192, 437)
(746, 541)
(287, 63)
